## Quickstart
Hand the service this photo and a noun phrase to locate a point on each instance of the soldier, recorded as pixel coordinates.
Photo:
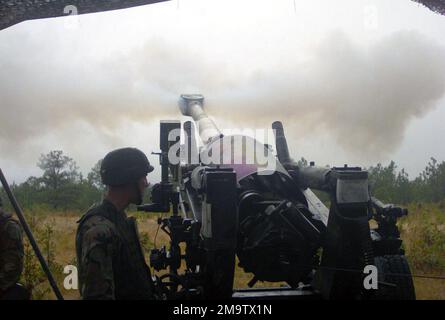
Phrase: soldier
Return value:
(109, 255)
(11, 258)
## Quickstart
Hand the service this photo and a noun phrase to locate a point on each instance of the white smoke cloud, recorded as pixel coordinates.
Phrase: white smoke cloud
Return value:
(364, 97)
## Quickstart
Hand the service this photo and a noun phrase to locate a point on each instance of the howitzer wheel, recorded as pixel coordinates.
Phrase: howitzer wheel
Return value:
(395, 279)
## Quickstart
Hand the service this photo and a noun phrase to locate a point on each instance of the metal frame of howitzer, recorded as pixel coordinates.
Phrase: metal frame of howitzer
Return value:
(207, 209)
(14, 12)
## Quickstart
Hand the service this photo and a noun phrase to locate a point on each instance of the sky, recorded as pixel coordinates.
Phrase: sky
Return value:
(353, 81)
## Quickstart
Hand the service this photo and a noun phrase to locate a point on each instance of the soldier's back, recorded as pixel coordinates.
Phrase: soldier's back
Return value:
(110, 266)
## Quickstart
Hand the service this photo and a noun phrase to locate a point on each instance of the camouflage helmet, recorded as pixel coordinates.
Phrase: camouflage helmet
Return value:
(124, 166)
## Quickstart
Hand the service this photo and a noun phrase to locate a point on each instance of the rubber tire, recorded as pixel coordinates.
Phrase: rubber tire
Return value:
(388, 267)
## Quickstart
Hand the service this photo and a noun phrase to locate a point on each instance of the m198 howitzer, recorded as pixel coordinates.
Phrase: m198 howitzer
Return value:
(265, 215)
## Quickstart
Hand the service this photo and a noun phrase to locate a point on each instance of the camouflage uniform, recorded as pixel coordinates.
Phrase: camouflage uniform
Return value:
(11, 251)
(110, 260)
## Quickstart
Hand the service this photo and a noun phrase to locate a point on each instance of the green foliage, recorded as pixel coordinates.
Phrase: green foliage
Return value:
(432, 179)
(145, 241)
(58, 169)
(60, 187)
(423, 233)
(390, 185)
(33, 277)
(94, 178)
(60, 176)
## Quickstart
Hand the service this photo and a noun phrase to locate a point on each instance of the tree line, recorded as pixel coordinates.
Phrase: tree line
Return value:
(63, 187)
(395, 186)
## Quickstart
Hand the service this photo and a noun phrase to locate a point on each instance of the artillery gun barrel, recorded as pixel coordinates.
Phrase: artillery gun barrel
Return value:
(312, 177)
(281, 143)
(192, 148)
(192, 105)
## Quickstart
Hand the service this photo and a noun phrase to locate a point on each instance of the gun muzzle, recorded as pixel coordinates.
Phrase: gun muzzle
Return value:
(281, 143)
(191, 105)
(191, 146)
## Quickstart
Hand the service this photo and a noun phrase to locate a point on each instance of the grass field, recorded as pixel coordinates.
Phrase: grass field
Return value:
(423, 232)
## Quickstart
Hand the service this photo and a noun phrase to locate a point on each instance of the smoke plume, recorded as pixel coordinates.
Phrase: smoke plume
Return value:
(363, 97)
